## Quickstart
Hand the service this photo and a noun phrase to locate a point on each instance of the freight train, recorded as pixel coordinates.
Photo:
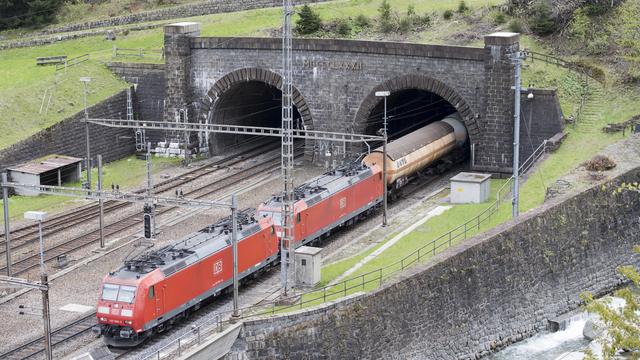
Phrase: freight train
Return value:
(154, 289)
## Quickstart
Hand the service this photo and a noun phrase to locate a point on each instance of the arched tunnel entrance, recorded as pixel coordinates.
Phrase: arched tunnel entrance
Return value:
(409, 111)
(251, 103)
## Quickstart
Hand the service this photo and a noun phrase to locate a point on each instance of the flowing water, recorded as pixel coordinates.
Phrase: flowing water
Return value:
(560, 345)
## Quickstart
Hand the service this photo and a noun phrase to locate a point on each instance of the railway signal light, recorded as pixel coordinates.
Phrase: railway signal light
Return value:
(148, 220)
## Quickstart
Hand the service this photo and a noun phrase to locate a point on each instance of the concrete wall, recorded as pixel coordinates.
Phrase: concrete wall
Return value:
(68, 136)
(490, 291)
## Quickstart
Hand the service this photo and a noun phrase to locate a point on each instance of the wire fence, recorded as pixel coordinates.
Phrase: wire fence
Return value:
(364, 282)
(72, 62)
(139, 52)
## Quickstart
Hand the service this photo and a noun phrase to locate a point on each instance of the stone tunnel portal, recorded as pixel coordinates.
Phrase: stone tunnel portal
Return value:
(409, 110)
(251, 103)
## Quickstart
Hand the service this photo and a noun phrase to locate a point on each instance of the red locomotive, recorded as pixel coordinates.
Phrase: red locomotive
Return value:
(328, 201)
(154, 289)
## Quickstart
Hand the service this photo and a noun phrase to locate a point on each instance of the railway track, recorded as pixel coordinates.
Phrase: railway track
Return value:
(84, 324)
(27, 235)
(33, 260)
(58, 336)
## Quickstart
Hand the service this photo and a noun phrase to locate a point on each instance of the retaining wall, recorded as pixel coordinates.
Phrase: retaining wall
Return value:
(496, 288)
(68, 136)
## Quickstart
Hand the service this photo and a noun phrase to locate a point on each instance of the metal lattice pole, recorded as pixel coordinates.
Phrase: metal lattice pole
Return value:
(288, 199)
(7, 228)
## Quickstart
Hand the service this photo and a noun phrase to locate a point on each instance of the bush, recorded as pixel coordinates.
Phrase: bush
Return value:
(343, 27)
(384, 10)
(499, 18)
(448, 14)
(309, 21)
(405, 25)
(424, 20)
(542, 22)
(515, 25)
(599, 163)
(462, 7)
(411, 10)
(362, 21)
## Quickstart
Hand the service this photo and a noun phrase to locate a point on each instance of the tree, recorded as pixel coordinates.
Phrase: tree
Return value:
(386, 23)
(621, 326)
(542, 22)
(309, 21)
(17, 13)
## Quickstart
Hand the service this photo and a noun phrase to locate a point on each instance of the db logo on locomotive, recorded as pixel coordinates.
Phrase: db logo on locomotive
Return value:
(217, 267)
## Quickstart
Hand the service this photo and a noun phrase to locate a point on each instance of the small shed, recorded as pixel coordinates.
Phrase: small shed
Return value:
(470, 188)
(308, 261)
(49, 170)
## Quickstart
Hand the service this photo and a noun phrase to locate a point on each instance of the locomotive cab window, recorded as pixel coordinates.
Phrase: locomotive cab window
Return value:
(273, 230)
(126, 294)
(152, 293)
(110, 292)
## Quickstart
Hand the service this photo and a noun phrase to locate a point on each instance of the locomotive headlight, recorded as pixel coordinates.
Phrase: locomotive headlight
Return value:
(103, 310)
(126, 312)
(128, 322)
(103, 319)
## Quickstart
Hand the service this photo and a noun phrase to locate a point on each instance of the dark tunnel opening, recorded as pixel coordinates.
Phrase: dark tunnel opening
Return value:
(252, 103)
(407, 111)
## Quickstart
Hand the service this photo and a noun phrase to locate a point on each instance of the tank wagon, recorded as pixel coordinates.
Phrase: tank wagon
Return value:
(414, 151)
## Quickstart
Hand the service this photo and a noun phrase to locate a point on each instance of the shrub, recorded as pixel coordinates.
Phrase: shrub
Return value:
(343, 27)
(424, 20)
(462, 7)
(515, 25)
(411, 10)
(448, 14)
(309, 21)
(362, 21)
(599, 163)
(384, 10)
(542, 23)
(405, 25)
(499, 18)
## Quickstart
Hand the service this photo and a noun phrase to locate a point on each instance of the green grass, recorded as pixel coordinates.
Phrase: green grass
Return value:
(25, 85)
(583, 142)
(129, 173)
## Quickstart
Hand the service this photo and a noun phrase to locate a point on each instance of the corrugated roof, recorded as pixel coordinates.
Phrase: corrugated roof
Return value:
(46, 164)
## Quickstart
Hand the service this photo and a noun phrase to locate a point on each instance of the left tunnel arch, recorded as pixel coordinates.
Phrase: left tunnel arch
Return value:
(251, 97)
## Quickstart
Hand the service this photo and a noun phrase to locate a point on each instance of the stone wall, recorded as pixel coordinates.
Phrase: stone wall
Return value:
(335, 82)
(176, 12)
(540, 119)
(68, 137)
(488, 292)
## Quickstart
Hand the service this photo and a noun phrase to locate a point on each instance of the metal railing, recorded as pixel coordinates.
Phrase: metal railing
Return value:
(139, 52)
(366, 281)
(72, 62)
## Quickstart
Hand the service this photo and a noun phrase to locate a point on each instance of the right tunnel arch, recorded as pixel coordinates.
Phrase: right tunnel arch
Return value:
(414, 100)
